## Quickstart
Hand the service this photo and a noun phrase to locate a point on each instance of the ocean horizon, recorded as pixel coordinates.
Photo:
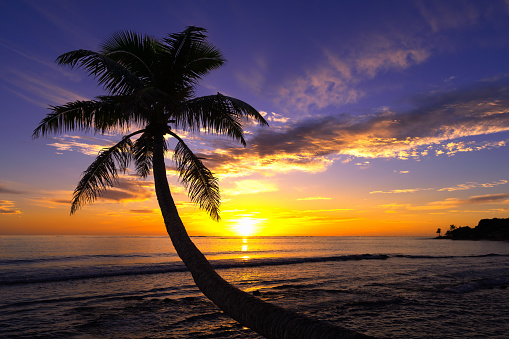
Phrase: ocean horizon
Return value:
(95, 286)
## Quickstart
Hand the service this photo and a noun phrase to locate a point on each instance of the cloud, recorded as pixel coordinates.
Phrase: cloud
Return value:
(254, 77)
(441, 124)
(460, 187)
(250, 187)
(325, 216)
(7, 207)
(471, 185)
(391, 59)
(51, 65)
(142, 211)
(314, 198)
(52, 199)
(328, 84)
(37, 89)
(487, 199)
(83, 144)
(35, 78)
(335, 80)
(6, 190)
(405, 190)
(129, 190)
(442, 15)
(275, 117)
(499, 198)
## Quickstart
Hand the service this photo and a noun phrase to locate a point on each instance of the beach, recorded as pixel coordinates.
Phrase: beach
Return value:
(136, 287)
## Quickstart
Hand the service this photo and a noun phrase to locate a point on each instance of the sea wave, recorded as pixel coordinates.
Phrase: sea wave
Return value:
(47, 273)
(410, 256)
(472, 286)
(61, 258)
(90, 272)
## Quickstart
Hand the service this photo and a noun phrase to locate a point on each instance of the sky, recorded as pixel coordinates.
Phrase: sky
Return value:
(387, 118)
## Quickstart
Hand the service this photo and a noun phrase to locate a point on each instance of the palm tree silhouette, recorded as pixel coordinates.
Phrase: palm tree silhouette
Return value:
(151, 85)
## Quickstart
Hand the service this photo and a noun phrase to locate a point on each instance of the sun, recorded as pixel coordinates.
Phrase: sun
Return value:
(246, 226)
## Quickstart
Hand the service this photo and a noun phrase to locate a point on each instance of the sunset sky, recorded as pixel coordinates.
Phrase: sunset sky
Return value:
(386, 117)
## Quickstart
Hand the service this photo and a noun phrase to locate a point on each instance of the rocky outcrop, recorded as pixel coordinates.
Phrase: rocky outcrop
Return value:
(487, 229)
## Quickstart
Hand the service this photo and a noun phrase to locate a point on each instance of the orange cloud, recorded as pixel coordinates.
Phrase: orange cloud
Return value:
(315, 198)
(499, 198)
(128, 189)
(84, 144)
(470, 185)
(250, 187)
(460, 187)
(406, 190)
(142, 211)
(7, 207)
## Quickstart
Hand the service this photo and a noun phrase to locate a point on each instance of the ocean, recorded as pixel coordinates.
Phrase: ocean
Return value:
(136, 287)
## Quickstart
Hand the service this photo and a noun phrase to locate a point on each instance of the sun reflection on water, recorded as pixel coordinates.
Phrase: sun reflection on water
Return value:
(244, 248)
(244, 245)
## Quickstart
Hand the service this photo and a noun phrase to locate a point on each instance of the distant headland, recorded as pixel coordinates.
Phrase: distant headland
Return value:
(487, 229)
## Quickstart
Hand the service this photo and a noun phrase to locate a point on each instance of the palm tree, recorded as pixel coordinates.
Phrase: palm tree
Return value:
(150, 85)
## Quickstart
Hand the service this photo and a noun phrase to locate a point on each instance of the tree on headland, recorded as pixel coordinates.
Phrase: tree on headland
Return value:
(450, 231)
(439, 230)
(150, 87)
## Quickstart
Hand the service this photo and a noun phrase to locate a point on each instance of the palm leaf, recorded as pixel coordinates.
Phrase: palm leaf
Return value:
(106, 113)
(77, 115)
(115, 78)
(201, 184)
(103, 172)
(193, 53)
(143, 150)
(134, 51)
(188, 57)
(217, 114)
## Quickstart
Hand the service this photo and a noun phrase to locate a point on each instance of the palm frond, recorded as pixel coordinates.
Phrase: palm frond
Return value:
(217, 114)
(190, 57)
(143, 151)
(77, 115)
(194, 53)
(113, 76)
(107, 113)
(134, 51)
(243, 109)
(103, 172)
(201, 184)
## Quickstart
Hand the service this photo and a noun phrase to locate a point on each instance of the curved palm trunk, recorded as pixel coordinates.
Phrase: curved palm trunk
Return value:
(267, 319)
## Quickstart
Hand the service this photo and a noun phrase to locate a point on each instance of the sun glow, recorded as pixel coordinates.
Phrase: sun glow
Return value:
(246, 226)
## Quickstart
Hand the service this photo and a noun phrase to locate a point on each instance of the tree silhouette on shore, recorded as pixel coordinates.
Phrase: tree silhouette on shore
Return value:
(150, 87)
